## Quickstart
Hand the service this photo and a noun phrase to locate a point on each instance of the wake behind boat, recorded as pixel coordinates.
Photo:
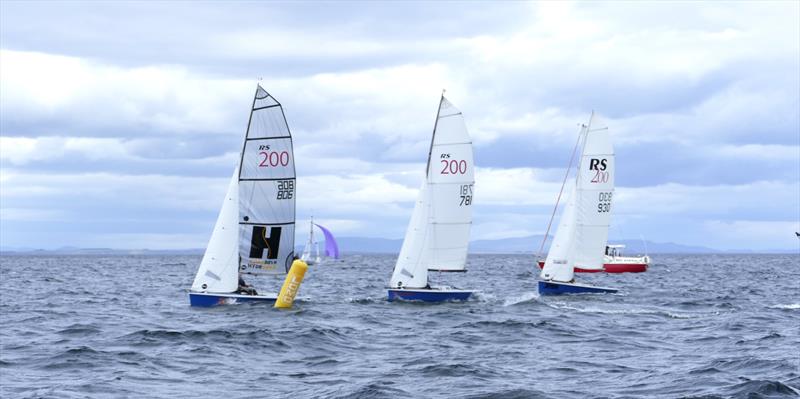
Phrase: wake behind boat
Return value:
(437, 237)
(583, 229)
(254, 233)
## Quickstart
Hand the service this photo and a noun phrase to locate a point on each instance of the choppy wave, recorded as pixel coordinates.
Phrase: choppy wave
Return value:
(121, 327)
(791, 306)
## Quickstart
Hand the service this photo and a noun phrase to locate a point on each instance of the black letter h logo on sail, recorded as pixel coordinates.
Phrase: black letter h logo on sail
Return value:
(260, 241)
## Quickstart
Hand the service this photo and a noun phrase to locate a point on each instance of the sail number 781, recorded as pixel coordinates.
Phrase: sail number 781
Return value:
(466, 195)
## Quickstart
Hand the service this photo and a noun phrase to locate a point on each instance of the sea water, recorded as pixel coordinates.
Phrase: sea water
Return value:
(121, 326)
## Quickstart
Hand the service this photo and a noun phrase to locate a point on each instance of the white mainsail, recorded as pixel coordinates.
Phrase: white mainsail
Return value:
(438, 233)
(583, 230)
(266, 190)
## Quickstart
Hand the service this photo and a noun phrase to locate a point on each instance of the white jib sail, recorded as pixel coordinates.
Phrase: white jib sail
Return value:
(583, 230)
(266, 190)
(558, 265)
(438, 233)
(219, 269)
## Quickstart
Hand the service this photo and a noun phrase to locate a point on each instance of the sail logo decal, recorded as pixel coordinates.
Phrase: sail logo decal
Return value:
(452, 166)
(273, 158)
(260, 242)
(599, 166)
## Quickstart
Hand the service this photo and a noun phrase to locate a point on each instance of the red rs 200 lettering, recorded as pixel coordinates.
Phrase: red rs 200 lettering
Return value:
(273, 159)
(600, 177)
(453, 167)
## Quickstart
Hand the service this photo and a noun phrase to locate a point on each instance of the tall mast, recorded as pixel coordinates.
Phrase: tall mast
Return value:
(433, 135)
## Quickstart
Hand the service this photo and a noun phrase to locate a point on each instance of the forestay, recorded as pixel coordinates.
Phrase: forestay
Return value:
(438, 233)
(583, 230)
(266, 190)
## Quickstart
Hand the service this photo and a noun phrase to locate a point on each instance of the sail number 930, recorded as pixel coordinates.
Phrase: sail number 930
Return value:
(604, 202)
(466, 195)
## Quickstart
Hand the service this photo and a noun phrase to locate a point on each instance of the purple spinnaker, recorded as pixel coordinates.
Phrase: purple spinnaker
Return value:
(331, 249)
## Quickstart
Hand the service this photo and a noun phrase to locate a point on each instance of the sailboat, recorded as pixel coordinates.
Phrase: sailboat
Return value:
(583, 229)
(331, 247)
(254, 233)
(311, 244)
(437, 237)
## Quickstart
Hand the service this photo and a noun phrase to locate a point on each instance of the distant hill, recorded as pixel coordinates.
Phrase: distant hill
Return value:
(529, 244)
(524, 245)
(100, 251)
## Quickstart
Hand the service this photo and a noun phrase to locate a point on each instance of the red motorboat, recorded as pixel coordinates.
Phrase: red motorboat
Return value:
(614, 262)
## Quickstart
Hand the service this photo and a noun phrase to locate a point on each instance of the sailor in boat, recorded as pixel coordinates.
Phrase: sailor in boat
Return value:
(244, 288)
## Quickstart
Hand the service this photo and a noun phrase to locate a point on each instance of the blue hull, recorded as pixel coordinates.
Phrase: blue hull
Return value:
(210, 300)
(554, 288)
(422, 295)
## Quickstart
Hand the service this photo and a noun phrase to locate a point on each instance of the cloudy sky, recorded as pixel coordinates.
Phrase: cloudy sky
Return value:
(122, 122)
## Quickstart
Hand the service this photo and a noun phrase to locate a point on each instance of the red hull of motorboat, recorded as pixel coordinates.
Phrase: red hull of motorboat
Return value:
(612, 268)
(625, 267)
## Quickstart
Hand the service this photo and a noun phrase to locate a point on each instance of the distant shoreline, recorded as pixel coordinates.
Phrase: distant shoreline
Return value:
(374, 245)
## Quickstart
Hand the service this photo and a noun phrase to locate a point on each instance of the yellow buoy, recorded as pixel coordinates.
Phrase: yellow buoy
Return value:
(291, 285)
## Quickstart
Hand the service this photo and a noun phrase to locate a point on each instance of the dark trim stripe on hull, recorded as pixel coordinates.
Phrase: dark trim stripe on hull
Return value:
(211, 300)
(428, 295)
(554, 288)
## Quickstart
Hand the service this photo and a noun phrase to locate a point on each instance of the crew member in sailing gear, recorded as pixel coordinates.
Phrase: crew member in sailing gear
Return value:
(245, 288)
(607, 249)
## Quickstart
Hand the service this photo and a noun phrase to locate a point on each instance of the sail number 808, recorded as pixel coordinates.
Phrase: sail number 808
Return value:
(466, 195)
(604, 202)
(285, 189)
